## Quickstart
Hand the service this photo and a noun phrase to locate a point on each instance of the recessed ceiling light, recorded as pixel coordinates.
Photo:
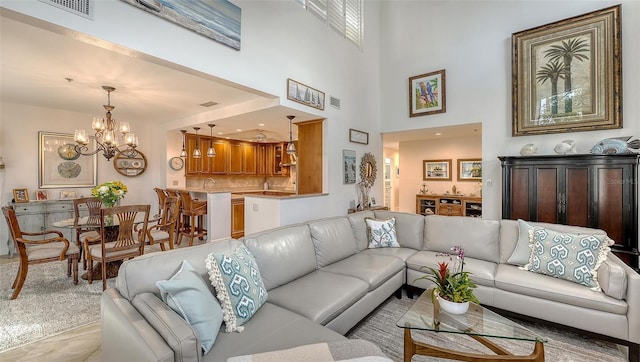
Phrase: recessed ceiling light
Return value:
(219, 132)
(438, 134)
(238, 130)
(260, 124)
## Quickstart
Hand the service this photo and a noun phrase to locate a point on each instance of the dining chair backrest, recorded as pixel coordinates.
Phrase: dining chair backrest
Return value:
(171, 211)
(127, 217)
(162, 195)
(93, 206)
(12, 223)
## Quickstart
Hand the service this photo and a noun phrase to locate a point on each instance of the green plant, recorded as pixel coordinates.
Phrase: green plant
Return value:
(109, 192)
(457, 286)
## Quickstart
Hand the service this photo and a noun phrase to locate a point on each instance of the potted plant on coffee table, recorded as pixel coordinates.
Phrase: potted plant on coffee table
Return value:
(453, 290)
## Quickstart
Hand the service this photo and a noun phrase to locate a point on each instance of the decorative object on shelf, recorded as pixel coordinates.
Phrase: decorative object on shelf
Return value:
(105, 135)
(356, 136)
(196, 150)
(66, 195)
(176, 163)
(291, 147)
(41, 195)
(565, 147)
(1, 164)
(616, 145)
(585, 52)
(130, 167)
(60, 165)
(528, 149)
(211, 152)
(469, 169)
(304, 94)
(456, 287)
(198, 16)
(349, 166)
(438, 170)
(454, 190)
(424, 189)
(109, 192)
(20, 195)
(183, 153)
(427, 94)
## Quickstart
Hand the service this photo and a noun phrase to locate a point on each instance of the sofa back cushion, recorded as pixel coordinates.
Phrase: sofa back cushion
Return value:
(479, 238)
(359, 228)
(511, 238)
(409, 227)
(333, 240)
(283, 254)
(140, 274)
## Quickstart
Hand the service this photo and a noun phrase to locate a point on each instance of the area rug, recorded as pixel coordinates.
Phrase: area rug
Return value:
(48, 304)
(561, 346)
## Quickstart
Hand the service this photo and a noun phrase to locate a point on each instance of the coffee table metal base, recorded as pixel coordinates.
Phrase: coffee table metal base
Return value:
(412, 347)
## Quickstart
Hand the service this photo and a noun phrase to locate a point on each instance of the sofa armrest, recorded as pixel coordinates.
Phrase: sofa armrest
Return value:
(175, 331)
(633, 299)
(126, 335)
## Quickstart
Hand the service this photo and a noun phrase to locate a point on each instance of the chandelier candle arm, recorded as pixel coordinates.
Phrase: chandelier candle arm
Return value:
(105, 135)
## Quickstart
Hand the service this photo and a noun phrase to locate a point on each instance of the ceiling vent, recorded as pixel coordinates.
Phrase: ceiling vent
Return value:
(83, 8)
(334, 102)
(208, 104)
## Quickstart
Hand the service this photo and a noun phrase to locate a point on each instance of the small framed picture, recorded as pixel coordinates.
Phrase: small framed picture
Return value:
(20, 195)
(304, 94)
(427, 94)
(41, 195)
(436, 170)
(349, 166)
(65, 195)
(470, 169)
(356, 136)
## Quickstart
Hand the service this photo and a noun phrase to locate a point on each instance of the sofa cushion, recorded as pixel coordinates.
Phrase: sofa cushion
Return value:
(521, 253)
(482, 272)
(409, 227)
(572, 257)
(271, 320)
(513, 279)
(189, 296)
(400, 253)
(382, 233)
(371, 268)
(480, 238)
(333, 240)
(283, 254)
(320, 296)
(509, 235)
(238, 284)
(359, 228)
(613, 279)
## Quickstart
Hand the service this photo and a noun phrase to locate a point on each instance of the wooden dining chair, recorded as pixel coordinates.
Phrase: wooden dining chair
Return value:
(162, 195)
(126, 245)
(35, 248)
(84, 233)
(165, 230)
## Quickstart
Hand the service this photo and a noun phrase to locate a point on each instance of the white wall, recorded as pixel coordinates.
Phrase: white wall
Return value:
(412, 155)
(472, 41)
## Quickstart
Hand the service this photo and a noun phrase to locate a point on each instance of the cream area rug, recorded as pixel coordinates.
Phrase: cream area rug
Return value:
(562, 346)
(48, 304)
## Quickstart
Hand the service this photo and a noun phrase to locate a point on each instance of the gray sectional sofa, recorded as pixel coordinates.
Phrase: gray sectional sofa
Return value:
(322, 279)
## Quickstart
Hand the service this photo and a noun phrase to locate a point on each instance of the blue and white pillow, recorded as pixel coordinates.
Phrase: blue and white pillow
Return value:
(382, 233)
(572, 257)
(238, 284)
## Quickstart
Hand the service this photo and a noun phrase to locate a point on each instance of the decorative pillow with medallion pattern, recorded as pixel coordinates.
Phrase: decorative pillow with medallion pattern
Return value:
(572, 257)
(238, 285)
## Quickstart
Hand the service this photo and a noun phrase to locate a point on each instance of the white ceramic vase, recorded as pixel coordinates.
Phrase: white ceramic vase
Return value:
(453, 307)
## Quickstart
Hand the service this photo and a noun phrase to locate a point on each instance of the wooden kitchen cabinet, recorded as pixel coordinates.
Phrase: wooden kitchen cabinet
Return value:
(249, 158)
(309, 165)
(197, 166)
(597, 191)
(242, 158)
(264, 159)
(237, 218)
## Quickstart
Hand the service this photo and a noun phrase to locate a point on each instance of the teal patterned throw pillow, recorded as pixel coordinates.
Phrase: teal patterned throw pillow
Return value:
(238, 285)
(568, 256)
(382, 233)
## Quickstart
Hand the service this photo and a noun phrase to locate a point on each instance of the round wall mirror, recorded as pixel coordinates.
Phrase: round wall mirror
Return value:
(368, 169)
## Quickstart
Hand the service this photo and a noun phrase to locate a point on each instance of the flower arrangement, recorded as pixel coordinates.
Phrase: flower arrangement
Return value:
(109, 192)
(455, 287)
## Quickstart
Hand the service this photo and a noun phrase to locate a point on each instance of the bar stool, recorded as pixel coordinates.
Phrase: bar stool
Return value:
(193, 210)
(162, 195)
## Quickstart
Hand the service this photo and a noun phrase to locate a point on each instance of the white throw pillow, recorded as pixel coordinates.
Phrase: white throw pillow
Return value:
(521, 253)
(382, 233)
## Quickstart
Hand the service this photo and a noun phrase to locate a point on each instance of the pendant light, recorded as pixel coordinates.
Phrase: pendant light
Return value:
(196, 151)
(291, 148)
(211, 152)
(183, 153)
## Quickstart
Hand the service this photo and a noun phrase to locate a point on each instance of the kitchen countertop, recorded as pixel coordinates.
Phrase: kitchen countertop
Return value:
(238, 194)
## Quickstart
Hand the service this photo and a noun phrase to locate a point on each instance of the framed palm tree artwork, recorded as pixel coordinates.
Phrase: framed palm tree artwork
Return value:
(566, 76)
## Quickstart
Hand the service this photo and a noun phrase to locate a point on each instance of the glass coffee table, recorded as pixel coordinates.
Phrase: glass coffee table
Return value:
(477, 323)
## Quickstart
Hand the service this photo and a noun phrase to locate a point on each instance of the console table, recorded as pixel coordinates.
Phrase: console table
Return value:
(40, 215)
(448, 205)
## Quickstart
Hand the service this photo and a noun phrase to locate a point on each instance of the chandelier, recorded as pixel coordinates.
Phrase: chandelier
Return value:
(291, 147)
(105, 135)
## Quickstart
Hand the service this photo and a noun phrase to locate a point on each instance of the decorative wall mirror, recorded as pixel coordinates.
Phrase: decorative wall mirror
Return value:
(368, 169)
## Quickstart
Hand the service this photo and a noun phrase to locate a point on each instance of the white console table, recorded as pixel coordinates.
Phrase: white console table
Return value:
(37, 216)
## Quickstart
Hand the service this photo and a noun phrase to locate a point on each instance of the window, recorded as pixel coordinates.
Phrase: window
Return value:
(343, 16)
